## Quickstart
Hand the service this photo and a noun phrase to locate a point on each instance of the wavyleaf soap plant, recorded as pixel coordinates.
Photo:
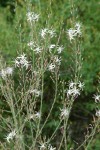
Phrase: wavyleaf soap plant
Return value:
(38, 61)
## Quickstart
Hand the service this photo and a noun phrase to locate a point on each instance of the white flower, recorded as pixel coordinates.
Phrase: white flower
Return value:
(74, 88)
(32, 17)
(6, 72)
(22, 57)
(74, 32)
(9, 70)
(97, 98)
(10, 136)
(21, 61)
(60, 49)
(37, 115)
(31, 44)
(51, 148)
(31, 116)
(34, 47)
(75, 92)
(71, 84)
(71, 34)
(98, 113)
(42, 147)
(52, 46)
(80, 85)
(44, 32)
(37, 50)
(64, 113)
(69, 92)
(35, 92)
(57, 60)
(3, 74)
(78, 29)
(51, 67)
(52, 33)
(17, 63)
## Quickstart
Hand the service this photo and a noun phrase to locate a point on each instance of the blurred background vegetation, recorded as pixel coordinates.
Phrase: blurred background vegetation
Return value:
(88, 13)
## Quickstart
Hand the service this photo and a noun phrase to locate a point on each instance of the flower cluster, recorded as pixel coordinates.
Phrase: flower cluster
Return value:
(6, 72)
(37, 50)
(74, 32)
(10, 136)
(33, 46)
(21, 61)
(58, 48)
(56, 62)
(32, 17)
(49, 147)
(47, 31)
(74, 89)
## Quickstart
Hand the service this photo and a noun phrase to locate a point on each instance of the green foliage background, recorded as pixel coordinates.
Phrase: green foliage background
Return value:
(88, 13)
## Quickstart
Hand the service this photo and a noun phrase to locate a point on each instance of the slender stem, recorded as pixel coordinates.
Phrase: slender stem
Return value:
(55, 131)
(56, 88)
(90, 136)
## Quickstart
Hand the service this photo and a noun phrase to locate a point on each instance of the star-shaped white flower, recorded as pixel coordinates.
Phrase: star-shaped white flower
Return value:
(98, 113)
(52, 33)
(97, 98)
(21, 61)
(37, 49)
(10, 136)
(44, 32)
(75, 91)
(50, 147)
(32, 17)
(80, 85)
(43, 146)
(60, 49)
(51, 67)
